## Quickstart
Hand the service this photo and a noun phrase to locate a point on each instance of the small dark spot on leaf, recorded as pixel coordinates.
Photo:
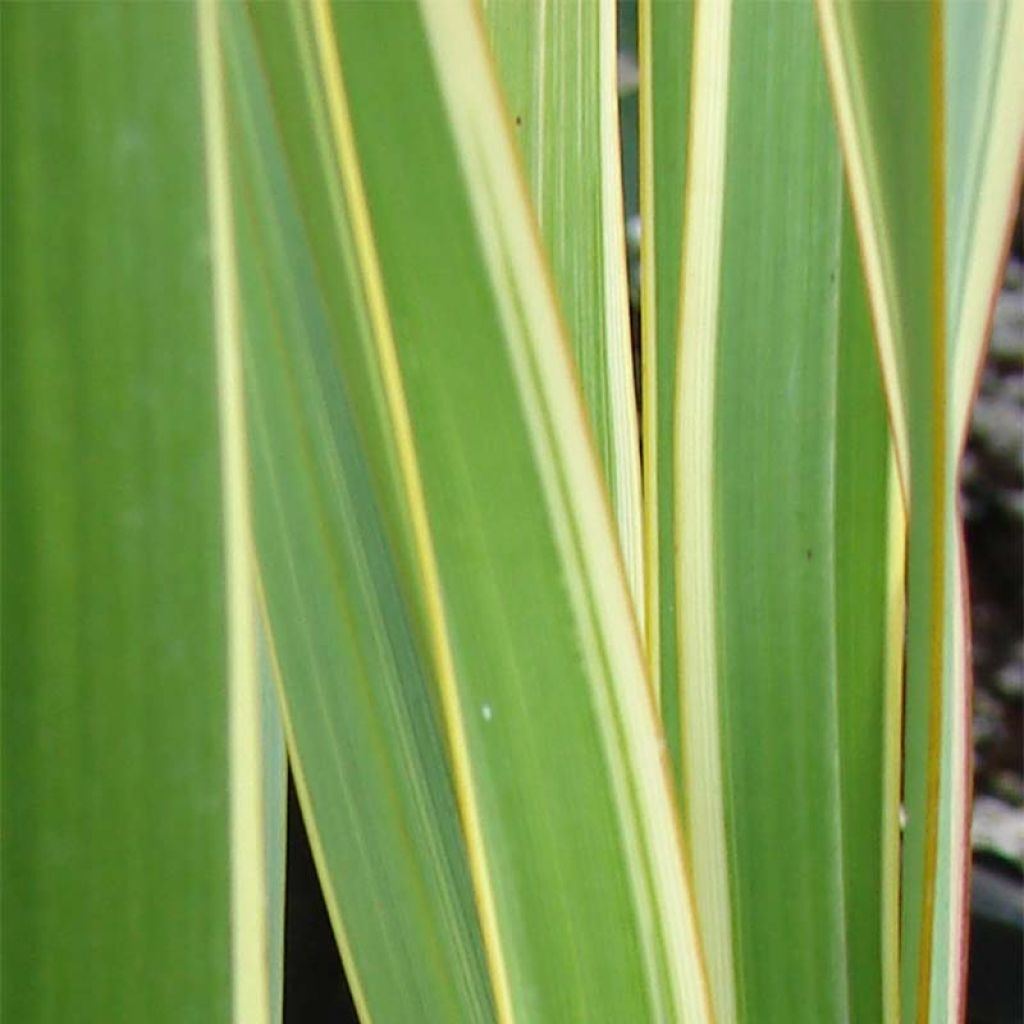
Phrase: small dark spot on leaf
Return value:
(809, 554)
(519, 120)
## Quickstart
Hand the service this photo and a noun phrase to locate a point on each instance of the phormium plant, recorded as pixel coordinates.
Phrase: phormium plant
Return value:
(319, 432)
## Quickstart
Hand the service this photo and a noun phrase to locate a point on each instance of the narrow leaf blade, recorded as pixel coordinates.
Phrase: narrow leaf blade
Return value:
(932, 242)
(558, 67)
(351, 670)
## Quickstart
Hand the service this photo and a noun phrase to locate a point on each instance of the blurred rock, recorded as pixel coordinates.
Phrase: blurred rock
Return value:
(998, 827)
(992, 486)
(992, 493)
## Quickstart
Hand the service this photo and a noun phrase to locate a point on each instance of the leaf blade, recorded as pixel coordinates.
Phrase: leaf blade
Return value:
(416, 303)
(121, 787)
(915, 200)
(665, 43)
(558, 69)
(785, 645)
(348, 662)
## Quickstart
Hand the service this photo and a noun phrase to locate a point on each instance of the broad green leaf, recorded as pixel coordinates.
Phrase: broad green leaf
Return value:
(782, 511)
(354, 675)
(558, 66)
(131, 853)
(564, 797)
(665, 50)
(932, 206)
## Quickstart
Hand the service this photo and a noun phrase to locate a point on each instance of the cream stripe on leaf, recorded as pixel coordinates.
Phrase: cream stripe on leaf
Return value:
(932, 207)
(249, 940)
(565, 795)
(558, 67)
(693, 437)
(947, 997)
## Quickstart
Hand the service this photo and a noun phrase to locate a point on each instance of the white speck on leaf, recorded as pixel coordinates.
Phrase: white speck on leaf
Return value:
(487, 712)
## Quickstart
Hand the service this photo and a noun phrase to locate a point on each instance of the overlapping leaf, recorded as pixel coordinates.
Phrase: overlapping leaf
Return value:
(425, 483)
(353, 674)
(932, 206)
(778, 462)
(557, 64)
(665, 53)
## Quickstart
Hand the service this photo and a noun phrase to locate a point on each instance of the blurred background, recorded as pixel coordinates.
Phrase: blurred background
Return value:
(992, 493)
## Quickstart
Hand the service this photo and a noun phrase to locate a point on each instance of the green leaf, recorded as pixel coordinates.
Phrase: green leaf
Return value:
(128, 796)
(535, 659)
(779, 467)
(665, 58)
(869, 607)
(312, 258)
(353, 673)
(558, 68)
(933, 207)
